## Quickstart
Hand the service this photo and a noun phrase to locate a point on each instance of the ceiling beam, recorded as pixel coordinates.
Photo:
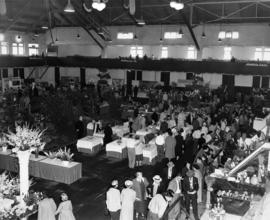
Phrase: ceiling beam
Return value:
(190, 30)
(228, 2)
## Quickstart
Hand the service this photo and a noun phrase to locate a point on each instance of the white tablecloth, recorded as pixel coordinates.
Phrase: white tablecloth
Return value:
(100, 135)
(150, 152)
(120, 130)
(143, 132)
(115, 146)
(89, 142)
(227, 216)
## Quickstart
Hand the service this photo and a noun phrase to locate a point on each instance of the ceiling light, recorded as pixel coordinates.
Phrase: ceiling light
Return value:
(161, 40)
(181, 31)
(135, 37)
(44, 27)
(203, 35)
(78, 36)
(69, 8)
(219, 40)
(56, 39)
(177, 5)
(98, 5)
(141, 22)
(18, 39)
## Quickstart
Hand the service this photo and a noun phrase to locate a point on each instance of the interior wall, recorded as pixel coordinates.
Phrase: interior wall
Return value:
(250, 37)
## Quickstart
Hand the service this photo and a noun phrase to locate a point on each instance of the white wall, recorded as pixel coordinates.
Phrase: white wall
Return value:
(251, 36)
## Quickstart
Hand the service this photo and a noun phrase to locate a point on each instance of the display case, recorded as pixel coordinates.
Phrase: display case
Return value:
(238, 187)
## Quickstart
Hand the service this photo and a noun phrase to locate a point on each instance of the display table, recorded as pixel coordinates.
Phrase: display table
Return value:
(227, 216)
(150, 154)
(117, 149)
(54, 170)
(143, 132)
(90, 144)
(43, 167)
(120, 130)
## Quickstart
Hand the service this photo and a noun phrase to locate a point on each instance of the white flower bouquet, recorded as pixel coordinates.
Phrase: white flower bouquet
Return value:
(10, 207)
(25, 138)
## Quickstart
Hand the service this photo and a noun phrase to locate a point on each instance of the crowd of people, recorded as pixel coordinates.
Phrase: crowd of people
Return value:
(191, 143)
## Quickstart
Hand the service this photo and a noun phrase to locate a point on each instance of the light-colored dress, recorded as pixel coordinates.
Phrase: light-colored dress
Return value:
(65, 211)
(46, 209)
(128, 197)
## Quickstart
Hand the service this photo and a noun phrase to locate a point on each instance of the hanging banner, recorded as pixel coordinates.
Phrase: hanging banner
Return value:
(132, 7)
(3, 7)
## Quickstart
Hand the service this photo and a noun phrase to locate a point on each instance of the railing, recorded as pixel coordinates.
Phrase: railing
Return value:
(181, 204)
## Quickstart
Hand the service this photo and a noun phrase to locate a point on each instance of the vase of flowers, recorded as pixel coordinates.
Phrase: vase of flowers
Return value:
(24, 141)
(65, 155)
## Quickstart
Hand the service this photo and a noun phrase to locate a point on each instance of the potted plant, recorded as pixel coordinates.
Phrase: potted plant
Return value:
(24, 141)
(51, 155)
(65, 155)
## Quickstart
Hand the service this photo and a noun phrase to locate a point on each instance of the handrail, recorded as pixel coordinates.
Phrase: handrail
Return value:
(169, 208)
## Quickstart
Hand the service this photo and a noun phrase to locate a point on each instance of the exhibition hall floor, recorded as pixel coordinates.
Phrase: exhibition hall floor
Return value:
(88, 193)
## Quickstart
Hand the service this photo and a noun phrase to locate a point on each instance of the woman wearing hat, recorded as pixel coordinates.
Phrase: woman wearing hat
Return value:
(113, 200)
(65, 209)
(128, 197)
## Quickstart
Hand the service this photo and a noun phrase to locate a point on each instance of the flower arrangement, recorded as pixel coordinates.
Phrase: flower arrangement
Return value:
(51, 154)
(10, 207)
(65, 154)
(25, 138)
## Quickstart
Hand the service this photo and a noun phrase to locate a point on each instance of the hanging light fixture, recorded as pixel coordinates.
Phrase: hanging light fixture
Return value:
(18, 39)
(181, 32)
(177, 4)
(203, 35)
(69, 7)
(78, 36)
(135, 37)
(98, 5)
(219, 40)
(56, 39)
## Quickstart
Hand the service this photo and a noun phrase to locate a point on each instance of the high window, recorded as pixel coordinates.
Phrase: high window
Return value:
(228, 35)
(172, 35)
(262, 54)
(164, 52)
(4, 48)
(125, 36)
(192, 53)
(33, 49)
(136, 51)
(227, 53)
(17, 49)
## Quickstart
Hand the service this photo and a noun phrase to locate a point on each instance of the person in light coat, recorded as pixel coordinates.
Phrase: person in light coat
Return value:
(158, 205)
(46, 208)
(128, 197)
(113, 200)
(170, 144)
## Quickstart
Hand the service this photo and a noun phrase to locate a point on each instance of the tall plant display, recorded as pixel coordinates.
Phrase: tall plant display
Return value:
(24, 141)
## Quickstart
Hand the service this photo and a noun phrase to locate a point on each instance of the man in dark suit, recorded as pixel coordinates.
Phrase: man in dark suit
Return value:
(107, 135)
(179, 148)
(169, 172)
(157, 187)
(190, 188)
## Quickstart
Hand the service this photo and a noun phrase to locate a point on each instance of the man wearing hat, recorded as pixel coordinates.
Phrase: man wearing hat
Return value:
(175, 186)
(190, 188)
(113, 200)
(128, 197)
(156, 187)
